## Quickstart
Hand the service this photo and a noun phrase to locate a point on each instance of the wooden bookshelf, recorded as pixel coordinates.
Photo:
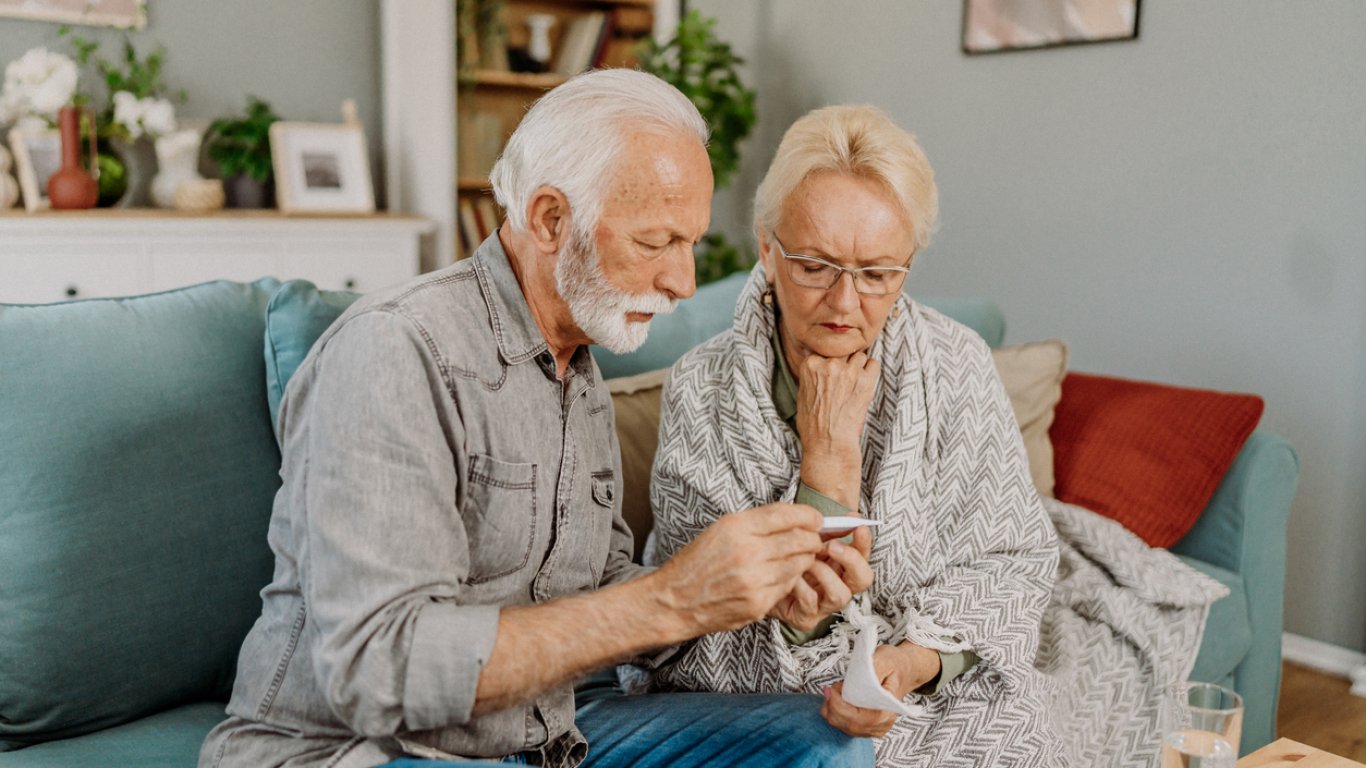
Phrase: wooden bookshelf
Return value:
(490, 103)
(539, 81)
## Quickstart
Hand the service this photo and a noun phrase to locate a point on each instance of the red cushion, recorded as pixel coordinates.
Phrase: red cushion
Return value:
(1147, 455)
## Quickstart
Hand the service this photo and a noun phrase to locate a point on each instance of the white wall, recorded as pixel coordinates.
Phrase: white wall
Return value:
(1188, 207)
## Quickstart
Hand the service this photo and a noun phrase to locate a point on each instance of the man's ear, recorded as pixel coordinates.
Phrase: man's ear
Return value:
(548, 219)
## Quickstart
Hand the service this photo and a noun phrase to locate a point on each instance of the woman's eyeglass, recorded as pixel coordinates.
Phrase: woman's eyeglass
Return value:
(811, 272)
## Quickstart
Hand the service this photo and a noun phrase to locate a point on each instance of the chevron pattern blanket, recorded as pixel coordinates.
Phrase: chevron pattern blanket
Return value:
(1077, 624)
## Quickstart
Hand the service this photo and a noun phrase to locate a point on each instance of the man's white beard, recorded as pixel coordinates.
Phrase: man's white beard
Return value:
(597, 307)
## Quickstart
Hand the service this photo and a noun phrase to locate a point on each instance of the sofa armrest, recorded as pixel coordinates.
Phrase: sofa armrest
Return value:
(1243, 529)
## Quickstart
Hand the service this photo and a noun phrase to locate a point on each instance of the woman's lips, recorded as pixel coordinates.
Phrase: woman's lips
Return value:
(837, 328)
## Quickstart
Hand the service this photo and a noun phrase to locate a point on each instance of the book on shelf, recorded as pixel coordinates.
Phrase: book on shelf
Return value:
(579, 43)
(469, 226)
(609, 29)
(488, 215)
(628, 28)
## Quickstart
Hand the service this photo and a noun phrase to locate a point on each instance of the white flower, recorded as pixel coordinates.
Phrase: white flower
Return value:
(128, 113)
(158, 117)
(150, 116)
(37, 84)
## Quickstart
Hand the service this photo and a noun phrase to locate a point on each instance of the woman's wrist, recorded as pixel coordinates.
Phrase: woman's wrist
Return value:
(922, 665)
(830, 479)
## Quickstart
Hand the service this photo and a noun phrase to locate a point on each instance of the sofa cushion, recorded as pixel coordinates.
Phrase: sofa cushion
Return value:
(165, 740)
(1228, 631)
(136, 476)
(297, 315)
(635, 402)
(1148, 455)
(1032, 375)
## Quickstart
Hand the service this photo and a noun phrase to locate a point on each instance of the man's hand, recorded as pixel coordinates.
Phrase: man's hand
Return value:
(839, 572)
(900, 669)
(739, 567)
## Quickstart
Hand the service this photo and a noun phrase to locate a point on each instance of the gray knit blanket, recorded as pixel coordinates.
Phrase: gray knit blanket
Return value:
(1077, 624)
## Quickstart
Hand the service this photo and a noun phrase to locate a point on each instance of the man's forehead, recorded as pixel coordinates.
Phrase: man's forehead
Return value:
(651, 163)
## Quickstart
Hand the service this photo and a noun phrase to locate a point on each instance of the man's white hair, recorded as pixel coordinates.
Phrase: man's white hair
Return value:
(571, 138)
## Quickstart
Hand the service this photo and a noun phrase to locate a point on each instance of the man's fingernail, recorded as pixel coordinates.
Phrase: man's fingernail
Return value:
(836, 548)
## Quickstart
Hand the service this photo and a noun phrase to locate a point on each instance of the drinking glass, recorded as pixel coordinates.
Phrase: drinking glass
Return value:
(1201, 726)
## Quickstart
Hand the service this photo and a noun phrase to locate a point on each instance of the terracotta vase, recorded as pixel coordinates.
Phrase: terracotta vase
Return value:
(72, 187)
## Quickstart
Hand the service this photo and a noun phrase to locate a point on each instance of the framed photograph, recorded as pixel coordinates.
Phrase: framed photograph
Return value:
(37, 155)
(993, 26)
(125, 14)
(321, 168)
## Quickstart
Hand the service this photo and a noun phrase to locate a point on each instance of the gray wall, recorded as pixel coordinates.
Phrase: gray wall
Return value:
(1188, 207)
(302, 56)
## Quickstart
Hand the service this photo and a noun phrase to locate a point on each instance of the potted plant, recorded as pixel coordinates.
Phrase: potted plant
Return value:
(137, 110)
(704, 68)
(241, 147)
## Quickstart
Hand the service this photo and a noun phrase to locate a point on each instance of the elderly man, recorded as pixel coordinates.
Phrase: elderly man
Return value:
(450, 554)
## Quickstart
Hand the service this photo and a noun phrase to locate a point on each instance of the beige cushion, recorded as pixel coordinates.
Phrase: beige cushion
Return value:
(636, 402)
(1032, 374)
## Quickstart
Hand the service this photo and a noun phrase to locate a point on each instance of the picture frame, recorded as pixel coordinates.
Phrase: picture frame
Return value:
(998, 26)
(37, 155)
(321, 168)
(122, 14)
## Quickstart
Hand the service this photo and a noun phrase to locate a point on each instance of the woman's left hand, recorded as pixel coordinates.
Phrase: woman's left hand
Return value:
(839, 572)
(900, 669)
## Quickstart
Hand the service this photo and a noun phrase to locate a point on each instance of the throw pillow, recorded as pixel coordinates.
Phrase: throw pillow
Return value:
(1148, 455)
(136, 477)
(297, 315)
(1032, 374)
(635, 399)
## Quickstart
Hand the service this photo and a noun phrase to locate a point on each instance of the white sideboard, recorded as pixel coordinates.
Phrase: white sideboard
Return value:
(63, 255)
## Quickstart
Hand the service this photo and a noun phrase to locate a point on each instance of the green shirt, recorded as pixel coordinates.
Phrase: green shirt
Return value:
(785, 401)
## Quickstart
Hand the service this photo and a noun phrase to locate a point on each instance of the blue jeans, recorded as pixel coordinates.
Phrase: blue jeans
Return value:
(680, 730)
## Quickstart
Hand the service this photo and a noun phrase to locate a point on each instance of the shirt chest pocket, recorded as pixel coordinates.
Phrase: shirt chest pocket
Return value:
(499, 513)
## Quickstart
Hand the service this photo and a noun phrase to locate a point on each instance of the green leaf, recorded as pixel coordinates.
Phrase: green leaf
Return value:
(242, 144)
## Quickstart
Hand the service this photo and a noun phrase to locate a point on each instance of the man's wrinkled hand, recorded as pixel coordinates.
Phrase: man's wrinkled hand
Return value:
(741, 566)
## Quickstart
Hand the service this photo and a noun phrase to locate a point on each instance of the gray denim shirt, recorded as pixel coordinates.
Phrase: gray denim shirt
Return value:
(435, 469)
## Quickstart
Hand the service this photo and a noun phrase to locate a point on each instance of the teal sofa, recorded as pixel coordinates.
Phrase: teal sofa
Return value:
(137, 469)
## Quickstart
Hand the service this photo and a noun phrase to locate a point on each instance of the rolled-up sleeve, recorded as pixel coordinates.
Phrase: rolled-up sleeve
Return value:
(383, 544)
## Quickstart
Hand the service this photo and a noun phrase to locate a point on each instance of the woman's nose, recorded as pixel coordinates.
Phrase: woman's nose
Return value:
(843, 296)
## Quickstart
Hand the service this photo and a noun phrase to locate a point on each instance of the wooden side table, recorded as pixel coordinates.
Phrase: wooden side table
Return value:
(1284, 753)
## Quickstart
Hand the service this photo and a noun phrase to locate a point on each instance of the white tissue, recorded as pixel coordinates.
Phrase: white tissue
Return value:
(861, 685)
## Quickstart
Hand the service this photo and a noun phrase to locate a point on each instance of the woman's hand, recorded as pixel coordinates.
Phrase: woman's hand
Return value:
(839, 572)
(833, 397)
(900, 669)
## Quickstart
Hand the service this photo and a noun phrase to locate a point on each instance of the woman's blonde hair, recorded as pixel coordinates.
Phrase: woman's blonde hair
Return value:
(859, 140)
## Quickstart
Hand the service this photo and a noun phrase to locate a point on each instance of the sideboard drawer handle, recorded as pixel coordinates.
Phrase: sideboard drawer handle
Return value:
(72, 291)
(350, 283)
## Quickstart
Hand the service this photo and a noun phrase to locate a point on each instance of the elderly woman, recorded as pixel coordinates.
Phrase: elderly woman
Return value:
(835, 389)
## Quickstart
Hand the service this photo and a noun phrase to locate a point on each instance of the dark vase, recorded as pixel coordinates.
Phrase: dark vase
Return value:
(72, 187)
(244, 191)
(140, 167)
